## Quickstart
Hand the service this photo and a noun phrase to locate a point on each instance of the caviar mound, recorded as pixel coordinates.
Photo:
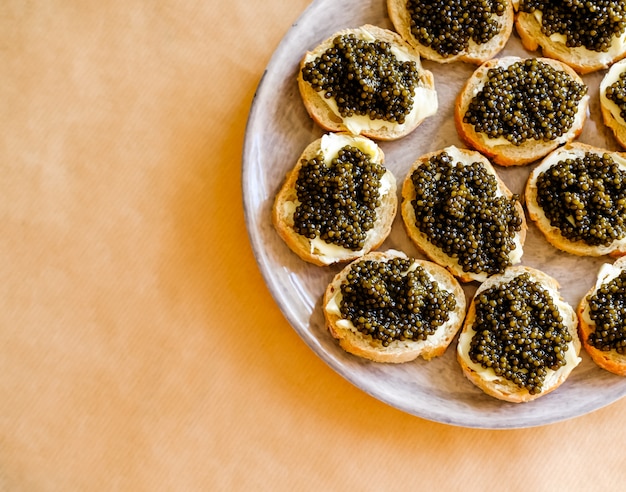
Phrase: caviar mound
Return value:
(516, 110)
(577, 198)
(387, 307)
(367, 81)
(613, 101)
(519, 340)
(602, 318)
(338, 202)
(588, 36)
(447, 31)
(460, 214)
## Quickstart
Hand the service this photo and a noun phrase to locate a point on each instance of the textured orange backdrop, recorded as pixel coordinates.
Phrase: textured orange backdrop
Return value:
(140, 348)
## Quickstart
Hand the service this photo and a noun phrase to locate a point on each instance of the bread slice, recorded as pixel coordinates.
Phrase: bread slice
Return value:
(461, 157)
(315, 250)
(610, 360)
(474, 53)
(324, 110)
(537, 215)
(500, 150)
(610, 111)
(398, 351)
(486, 378)
(581, 59)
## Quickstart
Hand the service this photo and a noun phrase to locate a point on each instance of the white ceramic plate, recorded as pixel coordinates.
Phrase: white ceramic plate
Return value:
(279, 129)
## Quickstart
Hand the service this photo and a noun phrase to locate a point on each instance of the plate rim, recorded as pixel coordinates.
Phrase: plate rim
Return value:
(534, 420)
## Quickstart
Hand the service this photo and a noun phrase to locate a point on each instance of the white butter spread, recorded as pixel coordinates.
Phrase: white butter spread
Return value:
(329, 251)
(332, 143)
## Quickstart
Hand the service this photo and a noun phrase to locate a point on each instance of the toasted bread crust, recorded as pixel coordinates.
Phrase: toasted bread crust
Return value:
(354, 342)
(320, 111)
(610, 360)
(552, 234)
(475, 53)
(616, 124)
(302, 246)
(422, 242)
(508, 154)
(499, 387)
(580, 59)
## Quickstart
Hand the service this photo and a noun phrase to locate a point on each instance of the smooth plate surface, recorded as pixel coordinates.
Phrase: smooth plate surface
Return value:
(279, 129)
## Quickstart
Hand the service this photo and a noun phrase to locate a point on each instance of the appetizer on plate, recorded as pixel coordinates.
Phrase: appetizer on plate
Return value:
(458, 211)
(519, 339)
(388, 307)
(338, 202)
(446, 31)
(367, 81)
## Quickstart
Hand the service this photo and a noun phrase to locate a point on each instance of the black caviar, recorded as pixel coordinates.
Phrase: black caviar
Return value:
(607, 309)
(520, 333)
(457, 208)
(365, 78)
(389, 301)
(616, 92)
(338, 202)
(585, 198)
(528, 100)
(590, 24)
(447, 26)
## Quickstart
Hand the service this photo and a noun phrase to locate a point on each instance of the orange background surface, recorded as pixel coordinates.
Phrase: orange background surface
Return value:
(140, 347)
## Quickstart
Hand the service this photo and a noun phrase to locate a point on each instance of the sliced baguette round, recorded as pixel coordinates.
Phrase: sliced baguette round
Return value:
(501, 151)
(610, 111)
(398, 351)
(537, 215)
(316, 251)
(475, 53)
(581, 59)
(421, 241)
(323, 111)
(498, 386)
(610, 360)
